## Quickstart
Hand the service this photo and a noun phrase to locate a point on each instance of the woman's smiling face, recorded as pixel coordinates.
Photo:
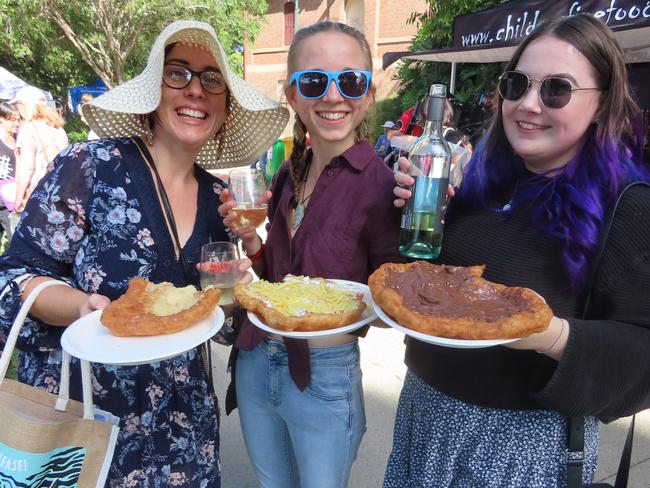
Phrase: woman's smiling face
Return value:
(331, 119)
(190, 116)
(547, 138)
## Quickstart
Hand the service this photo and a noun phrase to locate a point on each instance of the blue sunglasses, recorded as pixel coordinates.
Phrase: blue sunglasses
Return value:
(314, 83)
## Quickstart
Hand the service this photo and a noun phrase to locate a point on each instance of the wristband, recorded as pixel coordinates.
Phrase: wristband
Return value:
(258, 256)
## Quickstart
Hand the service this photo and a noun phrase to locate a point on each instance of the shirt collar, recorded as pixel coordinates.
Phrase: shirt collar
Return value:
(358, 156)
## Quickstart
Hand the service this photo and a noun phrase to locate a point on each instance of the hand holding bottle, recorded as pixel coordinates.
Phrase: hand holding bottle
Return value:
(430, 157)
(404, 181)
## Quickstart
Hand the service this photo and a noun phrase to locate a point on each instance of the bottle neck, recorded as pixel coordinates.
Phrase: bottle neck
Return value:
(433, 127)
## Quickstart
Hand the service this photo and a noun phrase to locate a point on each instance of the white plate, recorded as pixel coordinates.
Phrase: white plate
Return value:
(439, 341)
(367, 316)
(88, 339)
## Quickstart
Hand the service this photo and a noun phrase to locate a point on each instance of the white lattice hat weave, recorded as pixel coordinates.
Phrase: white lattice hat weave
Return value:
(255, 121)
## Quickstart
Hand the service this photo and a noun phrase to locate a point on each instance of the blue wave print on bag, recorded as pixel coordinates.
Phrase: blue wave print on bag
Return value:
(59, 468)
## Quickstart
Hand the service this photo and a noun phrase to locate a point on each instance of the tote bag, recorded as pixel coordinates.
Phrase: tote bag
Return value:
(48, 440)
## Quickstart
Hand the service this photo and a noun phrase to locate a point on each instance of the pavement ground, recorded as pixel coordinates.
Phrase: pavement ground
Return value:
(382, 353)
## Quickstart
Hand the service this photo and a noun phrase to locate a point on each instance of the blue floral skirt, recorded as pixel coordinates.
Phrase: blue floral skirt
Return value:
(168, 419)
(443, 442)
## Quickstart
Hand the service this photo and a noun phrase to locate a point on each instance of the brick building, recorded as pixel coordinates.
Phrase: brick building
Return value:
(384, 22)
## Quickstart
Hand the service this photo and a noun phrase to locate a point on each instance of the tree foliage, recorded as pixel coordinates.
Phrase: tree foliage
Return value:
(56, 43)
(435, 31)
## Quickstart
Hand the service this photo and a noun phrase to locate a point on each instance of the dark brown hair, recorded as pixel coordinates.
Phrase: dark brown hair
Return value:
(7, 110)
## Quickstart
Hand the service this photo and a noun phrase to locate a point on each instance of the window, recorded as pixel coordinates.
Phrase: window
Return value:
(289, 22)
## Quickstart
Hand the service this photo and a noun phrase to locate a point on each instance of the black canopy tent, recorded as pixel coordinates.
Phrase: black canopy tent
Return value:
(491, 35)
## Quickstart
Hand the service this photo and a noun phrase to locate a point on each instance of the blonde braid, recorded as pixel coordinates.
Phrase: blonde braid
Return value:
(297, 159)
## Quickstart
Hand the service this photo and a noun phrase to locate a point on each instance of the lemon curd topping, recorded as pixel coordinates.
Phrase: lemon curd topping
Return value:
(170, 300)
(298, 297)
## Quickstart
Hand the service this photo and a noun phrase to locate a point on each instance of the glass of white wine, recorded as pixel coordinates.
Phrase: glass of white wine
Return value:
(219, 268)
(247, 189)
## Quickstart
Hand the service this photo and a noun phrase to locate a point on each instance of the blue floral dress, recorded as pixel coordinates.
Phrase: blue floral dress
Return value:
(95, 222)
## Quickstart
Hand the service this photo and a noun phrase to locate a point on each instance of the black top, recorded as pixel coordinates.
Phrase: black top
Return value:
(605, 370)
(7, 162)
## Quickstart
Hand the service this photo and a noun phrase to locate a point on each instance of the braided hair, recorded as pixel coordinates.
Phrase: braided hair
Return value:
(297, 160)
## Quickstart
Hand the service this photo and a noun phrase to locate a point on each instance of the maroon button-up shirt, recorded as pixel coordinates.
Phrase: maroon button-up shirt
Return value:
(349, 229)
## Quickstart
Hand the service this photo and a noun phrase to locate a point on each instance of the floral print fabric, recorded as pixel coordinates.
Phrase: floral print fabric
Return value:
(95, 222)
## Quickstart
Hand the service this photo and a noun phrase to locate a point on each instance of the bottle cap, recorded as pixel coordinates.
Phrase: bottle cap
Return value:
(438, 90)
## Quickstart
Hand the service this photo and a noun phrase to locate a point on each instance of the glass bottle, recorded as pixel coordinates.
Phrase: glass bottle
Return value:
(430, 157)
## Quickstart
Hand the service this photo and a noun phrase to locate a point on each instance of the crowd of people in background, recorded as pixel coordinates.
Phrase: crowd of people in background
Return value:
(31, 135)
(401, 133)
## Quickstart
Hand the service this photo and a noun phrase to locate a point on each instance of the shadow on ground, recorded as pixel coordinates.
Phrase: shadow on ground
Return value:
(382, 353)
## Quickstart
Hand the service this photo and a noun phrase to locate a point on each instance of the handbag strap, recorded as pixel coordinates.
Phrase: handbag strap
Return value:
(64, 386)
(167, 209)
(575, 427)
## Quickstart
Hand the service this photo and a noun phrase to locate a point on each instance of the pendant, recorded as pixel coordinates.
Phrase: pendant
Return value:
(507, 206)
(298, 215)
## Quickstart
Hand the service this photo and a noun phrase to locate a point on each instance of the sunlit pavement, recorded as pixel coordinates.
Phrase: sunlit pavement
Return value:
(382, 353)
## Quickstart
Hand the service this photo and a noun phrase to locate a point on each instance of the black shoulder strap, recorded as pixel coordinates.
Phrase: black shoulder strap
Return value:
(167, 210)
(601, 246)
(575, 430)
(204, 351)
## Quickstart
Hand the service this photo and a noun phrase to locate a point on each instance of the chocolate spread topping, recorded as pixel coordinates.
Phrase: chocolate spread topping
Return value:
(454, 292)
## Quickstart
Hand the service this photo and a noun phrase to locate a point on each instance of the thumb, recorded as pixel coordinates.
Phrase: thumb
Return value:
(98, 302)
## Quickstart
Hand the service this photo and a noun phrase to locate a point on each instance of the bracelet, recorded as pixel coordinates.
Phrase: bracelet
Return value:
(557, 339)
(257, 256)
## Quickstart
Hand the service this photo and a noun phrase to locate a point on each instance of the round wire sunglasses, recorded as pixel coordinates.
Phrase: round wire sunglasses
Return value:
(314, 83)
(554, 92)
(178, 77)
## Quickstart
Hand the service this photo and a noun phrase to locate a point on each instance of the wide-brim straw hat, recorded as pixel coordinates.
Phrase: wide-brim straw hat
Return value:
(254, 123)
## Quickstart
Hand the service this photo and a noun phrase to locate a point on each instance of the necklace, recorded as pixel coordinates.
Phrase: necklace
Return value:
(299, 211)
(508, 206)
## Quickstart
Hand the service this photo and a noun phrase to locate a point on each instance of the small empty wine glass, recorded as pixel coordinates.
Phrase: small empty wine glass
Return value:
(247, 189)
(219, 268)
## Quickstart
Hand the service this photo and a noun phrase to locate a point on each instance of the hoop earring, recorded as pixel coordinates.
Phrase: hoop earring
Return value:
(361, 132)
(146, 123)
(219, 138)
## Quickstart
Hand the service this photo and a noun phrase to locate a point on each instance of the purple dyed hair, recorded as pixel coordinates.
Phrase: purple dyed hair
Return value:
(572, 204)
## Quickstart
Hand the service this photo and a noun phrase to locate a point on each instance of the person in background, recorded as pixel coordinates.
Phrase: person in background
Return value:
(40, 138)
(85, 98)
(532, 208)
(328, 217)
(138, 203)
(390, 158)
(460, 155)
(382, 145)
(9, 123)
(413, 119)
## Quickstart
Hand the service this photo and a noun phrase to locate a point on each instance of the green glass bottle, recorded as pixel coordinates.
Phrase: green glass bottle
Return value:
(274, 163)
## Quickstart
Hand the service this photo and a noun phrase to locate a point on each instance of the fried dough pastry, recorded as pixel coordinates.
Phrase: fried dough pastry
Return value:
(151, 309)
(457, 302)
(301, 304)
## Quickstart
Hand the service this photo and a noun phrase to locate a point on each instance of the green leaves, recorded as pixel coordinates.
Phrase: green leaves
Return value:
(435, 31)
(59, 43)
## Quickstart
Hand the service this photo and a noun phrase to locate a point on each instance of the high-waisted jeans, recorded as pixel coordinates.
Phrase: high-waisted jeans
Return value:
(296, 438)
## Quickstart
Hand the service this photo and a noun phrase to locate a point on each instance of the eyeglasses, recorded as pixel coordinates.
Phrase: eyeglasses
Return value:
(178, 77)
(554, 92)
(312, 84)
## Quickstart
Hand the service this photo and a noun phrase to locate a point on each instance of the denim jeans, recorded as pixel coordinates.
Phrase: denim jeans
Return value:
(305, 439)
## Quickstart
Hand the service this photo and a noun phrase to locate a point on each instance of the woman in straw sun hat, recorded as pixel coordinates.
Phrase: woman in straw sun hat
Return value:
(98, 219)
